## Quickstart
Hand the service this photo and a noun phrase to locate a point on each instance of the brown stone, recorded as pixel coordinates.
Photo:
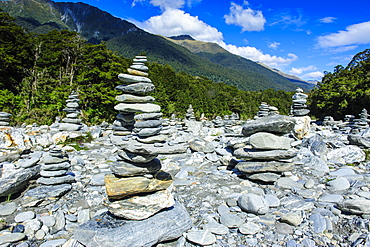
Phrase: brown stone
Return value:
(118, 188)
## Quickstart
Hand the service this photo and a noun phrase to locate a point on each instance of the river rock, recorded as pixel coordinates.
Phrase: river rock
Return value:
(109, 231)
(140, 88)
(252, 203)
(268, 141)
(276, 124)
(17, 181)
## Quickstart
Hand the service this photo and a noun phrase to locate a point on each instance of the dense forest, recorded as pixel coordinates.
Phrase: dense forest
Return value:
(38, 72)
(345, 91)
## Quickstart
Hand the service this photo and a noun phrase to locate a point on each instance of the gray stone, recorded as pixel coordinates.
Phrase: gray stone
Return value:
(127, 168)
(60, 221)
(48, 220)
(261, 166)
(140, 88)
(334, 198)
(268, 141)
(264, 155)
(283, 228)
(132, 79)
(107, 230)
(223, 209)
(148, 123)
(70, 127)
(29, 162)
(56, 180)
(338, 184)
(345, 171)
(147, 132)
(147, 116)
(249, 228)
(11, 238)
(24, 216)
(17, 181)
(277, 124)
(83, 215)
(272, 200)
(252, 203)
(49, 159)
(355, 206)
(292, 218)
(317, 166)
(319, 223)
(142, 108)
(359, 140)
(136, 158)
(288, 183)
(53, 243)
(151, 149)
(43, 192)
(139, 67)
(215, 227)
(58, 173)
(200, 145)
(349, 153)
(7, 208)
(129, 98)
(201, 237)
(315, 144)
(97, 179)
(267, 177)
(231, 220)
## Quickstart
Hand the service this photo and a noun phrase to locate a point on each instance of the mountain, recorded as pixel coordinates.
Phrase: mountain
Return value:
(182, 53)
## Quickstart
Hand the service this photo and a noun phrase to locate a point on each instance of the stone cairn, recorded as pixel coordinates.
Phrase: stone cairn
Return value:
(55, 178)
(190, 113)
(269, 153)
(299, 107)
(4, 119)
(138, 188)
(266, 110)
(71, 122)
(363, 122)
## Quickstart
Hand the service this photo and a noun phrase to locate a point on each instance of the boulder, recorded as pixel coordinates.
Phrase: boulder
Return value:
(17, 181)
(110, 231)
(276, 124)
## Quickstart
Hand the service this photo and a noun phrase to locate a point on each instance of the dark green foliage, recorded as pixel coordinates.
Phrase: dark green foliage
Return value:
(344, 91)
(60, 62)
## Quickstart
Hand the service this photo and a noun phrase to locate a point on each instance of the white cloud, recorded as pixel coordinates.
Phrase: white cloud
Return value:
(316, 75)
(299, 71)
(256, 55)
(248, 19)
(173, 22)
(274, 45)
(327, 19)
(354, 34)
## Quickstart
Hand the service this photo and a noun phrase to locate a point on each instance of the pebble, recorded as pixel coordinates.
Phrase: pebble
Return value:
(7, 208)
(24, 216)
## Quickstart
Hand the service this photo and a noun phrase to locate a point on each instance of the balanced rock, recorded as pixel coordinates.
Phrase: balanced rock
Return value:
(276, 124)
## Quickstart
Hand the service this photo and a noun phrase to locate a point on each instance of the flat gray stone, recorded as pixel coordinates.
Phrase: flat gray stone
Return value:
(129, 98)
(288, 183)
(338, 184)
(252, 203)
(268, 141)
(107, 230)
(231, 220)
(56, 180)
(17, 181)
(132, 79)
(7, 208)
(244, 153)
(200, 145)
(127, 168)
(277, 124)
(24, 216)
(267, 177)
(355, 206)
(249, 228)
(201, 237)
(53, 243)
(140, 88)
(261, 166)
(11, 237)
(140, 107)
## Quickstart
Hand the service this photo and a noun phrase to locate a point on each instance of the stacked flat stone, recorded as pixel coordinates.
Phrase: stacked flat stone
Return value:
(299, 107)
(190, 113)
(5, 118)
(138, 188)
(363, 122)
(55, 167)
(71, 122)
(269, 153)
(263, 110)
(218, 122)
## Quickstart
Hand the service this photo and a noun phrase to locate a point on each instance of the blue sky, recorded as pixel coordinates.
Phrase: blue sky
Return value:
(302, 38)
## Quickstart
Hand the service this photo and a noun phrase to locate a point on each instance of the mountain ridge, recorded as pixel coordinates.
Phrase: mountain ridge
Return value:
(98, 26)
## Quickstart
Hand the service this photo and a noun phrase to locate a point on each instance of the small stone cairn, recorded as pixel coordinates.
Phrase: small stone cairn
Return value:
(363, 122)
(5, 119)
(269, 153)
(71, 122)
(138, 188)
(299, 107)
(266, 110)
(190, 114)
(55, 180)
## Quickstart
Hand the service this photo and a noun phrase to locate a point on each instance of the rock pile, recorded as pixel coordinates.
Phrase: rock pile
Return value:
(266, 110)
(299, 107)
(5, 118)
(71, 122)
(138, 190)
(270, 152)
(190, 113)
(363, 122)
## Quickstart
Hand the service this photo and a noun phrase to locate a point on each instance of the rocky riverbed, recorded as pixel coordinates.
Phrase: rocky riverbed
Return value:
(320, 196)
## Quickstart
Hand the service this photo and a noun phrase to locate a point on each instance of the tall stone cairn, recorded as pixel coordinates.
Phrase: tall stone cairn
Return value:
(190, 113)
(138, 188)
(4, 119)
(71, 122)
(299, 107)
